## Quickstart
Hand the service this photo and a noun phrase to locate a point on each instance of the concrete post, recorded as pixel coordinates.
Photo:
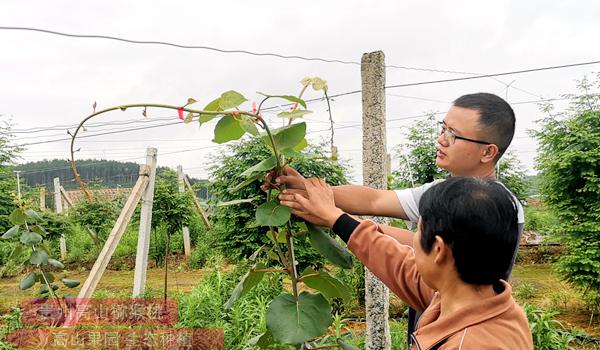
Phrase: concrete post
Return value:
(42, 198)
(375, 176)
(58, 207)
(187, 247)
(143, 246)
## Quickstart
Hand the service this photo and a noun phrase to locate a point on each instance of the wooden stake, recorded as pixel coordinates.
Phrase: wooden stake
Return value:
(198, 206)
(187, 246)
(58, 207)
(115, 235)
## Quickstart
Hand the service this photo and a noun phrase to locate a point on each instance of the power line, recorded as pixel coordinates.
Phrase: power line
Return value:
(215, 49)
(493, 75)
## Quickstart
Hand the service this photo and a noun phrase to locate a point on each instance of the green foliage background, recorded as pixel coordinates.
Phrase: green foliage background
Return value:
(570, 183)
(417, 156)
(234, 232)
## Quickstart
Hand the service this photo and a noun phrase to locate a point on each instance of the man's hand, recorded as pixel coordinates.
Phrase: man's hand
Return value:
(315, 205)
(289, 177)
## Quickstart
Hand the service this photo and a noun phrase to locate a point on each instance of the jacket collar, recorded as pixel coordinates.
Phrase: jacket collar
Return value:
(432, 330)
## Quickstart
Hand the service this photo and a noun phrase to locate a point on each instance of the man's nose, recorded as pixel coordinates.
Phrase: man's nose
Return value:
(441, 139)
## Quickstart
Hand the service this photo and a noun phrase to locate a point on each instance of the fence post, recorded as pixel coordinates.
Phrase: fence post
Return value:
(42, 198)
(112, 241)
(187, 247)
(375, 176)
(143, 246)
(58, 207)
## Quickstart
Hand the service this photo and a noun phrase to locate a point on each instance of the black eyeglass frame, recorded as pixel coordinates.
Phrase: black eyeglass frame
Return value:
(445, 130)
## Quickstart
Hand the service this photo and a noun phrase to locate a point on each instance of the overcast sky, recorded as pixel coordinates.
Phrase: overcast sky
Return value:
(50, 81)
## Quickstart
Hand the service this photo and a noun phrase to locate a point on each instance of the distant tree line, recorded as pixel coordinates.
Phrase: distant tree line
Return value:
(96, 173)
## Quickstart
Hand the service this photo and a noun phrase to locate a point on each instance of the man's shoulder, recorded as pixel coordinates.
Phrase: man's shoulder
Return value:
(520, 211)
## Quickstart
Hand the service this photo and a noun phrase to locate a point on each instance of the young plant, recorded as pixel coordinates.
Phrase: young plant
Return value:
(291, 318)
(32, 237)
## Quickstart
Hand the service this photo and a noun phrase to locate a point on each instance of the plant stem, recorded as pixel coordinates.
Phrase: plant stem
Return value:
(291, 262)
(330, 119)
(269, 270)
(166, 265)
(293, 272)
(50, 290)
(300, 97)
(124, 107)
(282, 258)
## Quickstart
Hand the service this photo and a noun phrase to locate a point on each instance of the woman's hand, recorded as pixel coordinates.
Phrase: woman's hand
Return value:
(315, 205)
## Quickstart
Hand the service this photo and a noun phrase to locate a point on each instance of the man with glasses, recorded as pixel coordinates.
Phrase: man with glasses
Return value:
(475, 133)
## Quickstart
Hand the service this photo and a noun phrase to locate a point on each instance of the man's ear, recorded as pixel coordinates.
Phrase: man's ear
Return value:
(441, 250)
(489, 154)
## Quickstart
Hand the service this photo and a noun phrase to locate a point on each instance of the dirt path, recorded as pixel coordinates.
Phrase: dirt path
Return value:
(113, 283)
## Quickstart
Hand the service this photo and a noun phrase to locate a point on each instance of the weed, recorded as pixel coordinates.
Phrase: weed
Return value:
(525, 291)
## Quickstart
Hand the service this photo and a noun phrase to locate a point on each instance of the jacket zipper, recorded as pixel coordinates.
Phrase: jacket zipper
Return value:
(415, 342)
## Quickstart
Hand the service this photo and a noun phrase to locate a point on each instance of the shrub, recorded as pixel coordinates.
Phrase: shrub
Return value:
(203, 307)
(525, 291)
(234, 228)
(570, 183)
(548, 333)
(97, 214)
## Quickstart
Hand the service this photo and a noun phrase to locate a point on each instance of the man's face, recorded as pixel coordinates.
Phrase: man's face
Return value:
(463, 157)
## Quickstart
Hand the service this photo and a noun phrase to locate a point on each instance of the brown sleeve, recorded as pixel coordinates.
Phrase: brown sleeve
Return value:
(401, 235)
(393, 263)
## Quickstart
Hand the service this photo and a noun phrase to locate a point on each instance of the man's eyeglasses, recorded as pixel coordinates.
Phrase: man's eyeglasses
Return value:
(451, 137)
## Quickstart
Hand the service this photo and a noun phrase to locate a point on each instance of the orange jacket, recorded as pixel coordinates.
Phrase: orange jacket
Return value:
(494, 323)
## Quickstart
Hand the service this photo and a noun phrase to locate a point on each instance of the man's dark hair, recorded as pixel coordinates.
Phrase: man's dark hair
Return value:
(496, 118)
(477, 219)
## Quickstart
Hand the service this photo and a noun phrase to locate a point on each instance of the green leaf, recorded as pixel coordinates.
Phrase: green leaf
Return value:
(247, 282)
(249, 126)
(188, 118)
(212, 106)
(272, 214)
(56, 263)
(302, 145)
(228, 129)
(256, 253)
(70, 283)
(329, 247)
(326, 284)
(18, 251)
(237, 201)
(28, 281)
(286, 97)
(263, 166)
(292, 322)
(44, 288)
(30, 238)
(247, 182)
(291, 153)
(296, 113)
(40, 277)
(287, 136)
(346, 346)
(39, 257)
(262, 340)
(191, 101)
(33, 215)
(12, 232)
(17, 217)
(39, 229)
(231, 99)
(280, 236)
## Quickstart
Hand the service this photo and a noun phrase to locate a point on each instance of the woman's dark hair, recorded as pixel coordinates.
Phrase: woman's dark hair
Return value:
(477, 219)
